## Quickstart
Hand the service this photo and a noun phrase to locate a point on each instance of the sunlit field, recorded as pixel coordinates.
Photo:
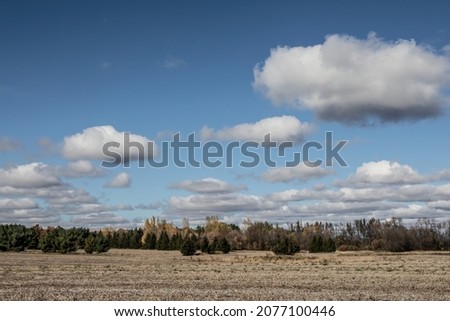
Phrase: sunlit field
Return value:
(245, 275)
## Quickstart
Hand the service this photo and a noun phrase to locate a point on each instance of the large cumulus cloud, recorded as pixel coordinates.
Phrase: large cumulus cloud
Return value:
(88, 145)
(357, 81)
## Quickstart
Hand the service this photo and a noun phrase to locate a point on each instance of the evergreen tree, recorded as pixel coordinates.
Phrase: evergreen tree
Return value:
(163, 243)
(67, 241)
(214, 246)
(123, 239)
(176, 242)
(33, 235)
(317, 244)
(188, 247)
(224, 246)
(135, 237)
(89, 244)
(320, 244)
(150, 241)
(329, 245)
(49, 241)
(101, 243)
(313, 245)
(204, 245)
(18, 240)
(286, 245)
(194, 239)
(4, 238)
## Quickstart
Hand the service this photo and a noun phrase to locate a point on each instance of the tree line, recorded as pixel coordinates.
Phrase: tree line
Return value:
(15, 237)
(219, 237)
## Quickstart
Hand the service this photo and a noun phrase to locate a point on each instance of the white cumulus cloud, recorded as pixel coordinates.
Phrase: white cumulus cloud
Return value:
(88, 145)
(122, 180)
(385, 172)
(357, 80)
(281, 128)
(33, 175)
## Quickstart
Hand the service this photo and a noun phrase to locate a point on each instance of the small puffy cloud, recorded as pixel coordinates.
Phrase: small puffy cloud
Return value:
(88, 145)
(122, 180)
(82, 168)
(281, 129)
(358, 81)
(207, 185)
(33, 175)
(385, 172)
(297, 173)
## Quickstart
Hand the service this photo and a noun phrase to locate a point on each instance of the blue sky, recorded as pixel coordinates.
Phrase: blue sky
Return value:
(72, 73)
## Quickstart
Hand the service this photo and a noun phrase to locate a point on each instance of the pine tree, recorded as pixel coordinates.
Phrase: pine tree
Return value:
(67, 242)
(150, 241)
(318, 245)
(176, 242)
(194, 239)
(213, 247)
(329, 245)
(163, 243)
(135, 237)
(101, 243)
(286, 245)
(313, 245)
(49, 240)
(204, 245)
(188, 247)
(89, 244)
(224, 246)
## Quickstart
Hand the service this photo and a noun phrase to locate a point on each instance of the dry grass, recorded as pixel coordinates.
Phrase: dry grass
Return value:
(155, 275)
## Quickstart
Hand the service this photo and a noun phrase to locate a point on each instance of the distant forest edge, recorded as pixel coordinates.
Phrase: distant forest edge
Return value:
(219, 237)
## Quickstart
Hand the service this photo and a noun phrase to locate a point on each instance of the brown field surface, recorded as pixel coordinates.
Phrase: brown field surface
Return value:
(157, 275)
